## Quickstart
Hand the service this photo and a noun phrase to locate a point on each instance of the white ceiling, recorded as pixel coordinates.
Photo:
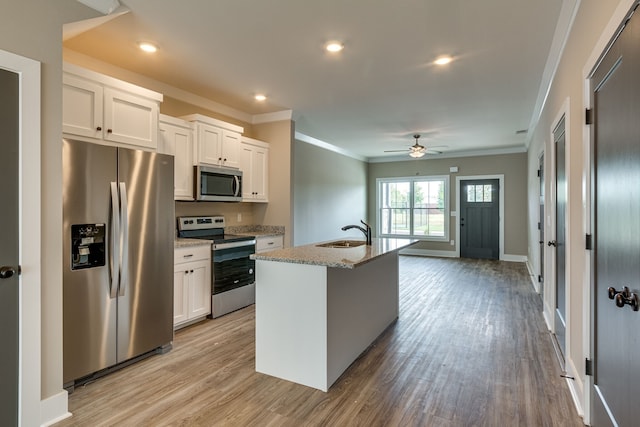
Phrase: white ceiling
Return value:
(375, 94)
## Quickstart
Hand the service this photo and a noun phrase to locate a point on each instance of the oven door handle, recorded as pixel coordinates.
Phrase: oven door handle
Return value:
(230, 245)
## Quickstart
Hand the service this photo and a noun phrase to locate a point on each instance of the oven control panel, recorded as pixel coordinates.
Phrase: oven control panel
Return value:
(200, 222)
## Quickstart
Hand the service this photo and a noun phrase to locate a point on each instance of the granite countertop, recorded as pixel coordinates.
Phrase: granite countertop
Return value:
(181, 242)
(335, 257)
(256, 230)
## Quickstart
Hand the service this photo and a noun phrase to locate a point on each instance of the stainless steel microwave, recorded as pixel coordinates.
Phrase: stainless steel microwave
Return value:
(217, 184)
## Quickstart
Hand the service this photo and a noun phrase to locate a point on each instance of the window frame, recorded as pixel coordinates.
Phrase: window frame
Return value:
(412, 180)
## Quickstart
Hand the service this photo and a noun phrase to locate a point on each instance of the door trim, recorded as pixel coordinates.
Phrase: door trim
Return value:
(29, 374)
(550, 232)
(585, 399)
(500, 178)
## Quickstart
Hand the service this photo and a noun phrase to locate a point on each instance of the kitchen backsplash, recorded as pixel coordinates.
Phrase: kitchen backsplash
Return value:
(262, 229)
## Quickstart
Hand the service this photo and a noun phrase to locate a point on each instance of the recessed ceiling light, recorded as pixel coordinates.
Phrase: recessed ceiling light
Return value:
(443, 60)
(334, 47)
(148, 47)
(260, 97)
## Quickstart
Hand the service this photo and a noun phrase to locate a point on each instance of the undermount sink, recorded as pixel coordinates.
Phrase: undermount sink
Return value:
(342, 244)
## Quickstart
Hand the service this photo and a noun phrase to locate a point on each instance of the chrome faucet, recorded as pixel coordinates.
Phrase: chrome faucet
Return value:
(366, 231)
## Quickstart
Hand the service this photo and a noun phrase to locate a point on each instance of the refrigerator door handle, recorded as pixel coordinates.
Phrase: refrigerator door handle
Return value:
(124, 218)
(114, 259)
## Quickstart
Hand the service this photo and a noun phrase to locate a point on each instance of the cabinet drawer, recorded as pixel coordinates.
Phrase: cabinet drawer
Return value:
(191, 253)
(269, 243)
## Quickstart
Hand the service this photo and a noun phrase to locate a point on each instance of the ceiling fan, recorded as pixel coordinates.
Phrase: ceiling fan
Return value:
(417, 150)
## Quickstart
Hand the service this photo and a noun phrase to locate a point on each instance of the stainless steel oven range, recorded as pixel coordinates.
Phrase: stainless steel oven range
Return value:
(233, 271)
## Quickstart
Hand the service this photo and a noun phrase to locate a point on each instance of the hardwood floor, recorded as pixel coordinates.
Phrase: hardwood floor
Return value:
(470, 348)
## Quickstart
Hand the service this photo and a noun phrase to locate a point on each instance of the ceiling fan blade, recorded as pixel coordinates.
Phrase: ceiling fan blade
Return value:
(396, 151)
(434, 152)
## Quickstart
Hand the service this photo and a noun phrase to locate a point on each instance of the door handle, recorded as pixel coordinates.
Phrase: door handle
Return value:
(624, 297)
(552, 243)
(8, 271)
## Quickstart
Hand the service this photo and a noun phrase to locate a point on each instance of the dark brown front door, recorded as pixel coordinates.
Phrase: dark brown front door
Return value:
(616, 187)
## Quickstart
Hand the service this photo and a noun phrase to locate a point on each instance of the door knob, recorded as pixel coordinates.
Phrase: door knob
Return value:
(8, 271)
(552, 243)
(624, 297)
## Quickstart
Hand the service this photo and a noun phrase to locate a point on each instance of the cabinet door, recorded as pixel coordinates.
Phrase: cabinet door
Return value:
(199, 289)
(130, 119)
(180, 294)
(209, 145)
(246, 158)
(183, 139)
(230, 149)
(260, 174)
(178, 142)
(81, 107)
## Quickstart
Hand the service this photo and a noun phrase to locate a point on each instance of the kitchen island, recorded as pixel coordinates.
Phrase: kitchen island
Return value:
(318, 308)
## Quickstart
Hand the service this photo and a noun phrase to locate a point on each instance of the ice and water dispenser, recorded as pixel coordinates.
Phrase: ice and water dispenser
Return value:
(87, 246)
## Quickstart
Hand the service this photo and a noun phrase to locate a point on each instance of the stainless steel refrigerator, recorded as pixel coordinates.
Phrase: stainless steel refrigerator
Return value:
(118, 211)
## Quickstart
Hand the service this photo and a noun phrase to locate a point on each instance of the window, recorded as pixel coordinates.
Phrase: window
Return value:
(479, 193)
(414, 207)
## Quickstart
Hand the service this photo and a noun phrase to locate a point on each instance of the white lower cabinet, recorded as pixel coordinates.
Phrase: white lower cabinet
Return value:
(269, 243)
(191, 285)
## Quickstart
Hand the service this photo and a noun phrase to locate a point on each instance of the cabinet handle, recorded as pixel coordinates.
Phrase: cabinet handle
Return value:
(225, 160)
(187, 256)
(190, 271)
(99, 128)
(219, 159)
(109, 131)
(270, 243)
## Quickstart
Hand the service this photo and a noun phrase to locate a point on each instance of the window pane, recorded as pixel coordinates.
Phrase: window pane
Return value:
(394, 212)
(471, 193)
(478, 192)
(487, 193)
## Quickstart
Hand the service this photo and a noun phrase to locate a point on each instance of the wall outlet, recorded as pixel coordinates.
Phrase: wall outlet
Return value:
(453, 243)
(239, 217)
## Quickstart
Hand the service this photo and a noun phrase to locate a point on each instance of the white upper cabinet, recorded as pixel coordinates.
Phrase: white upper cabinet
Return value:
(254, 163)
(176, 138)
(103, 109)
(217, 143)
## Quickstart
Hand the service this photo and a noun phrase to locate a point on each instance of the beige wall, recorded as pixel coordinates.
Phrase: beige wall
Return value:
(279, 210)
(512, 166)
(33, 29)
(330, 191)
(567, 96)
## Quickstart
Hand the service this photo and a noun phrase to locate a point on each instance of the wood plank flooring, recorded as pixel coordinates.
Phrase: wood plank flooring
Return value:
(470, 348)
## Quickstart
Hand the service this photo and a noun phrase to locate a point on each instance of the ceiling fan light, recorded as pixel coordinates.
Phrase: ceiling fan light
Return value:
(416, 154)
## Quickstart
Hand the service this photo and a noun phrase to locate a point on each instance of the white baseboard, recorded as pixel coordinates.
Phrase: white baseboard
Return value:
(453, 254)
(576, 386)
(54, 409)
(532, 276)
(548, 316)
(514, 258)
(427, 252)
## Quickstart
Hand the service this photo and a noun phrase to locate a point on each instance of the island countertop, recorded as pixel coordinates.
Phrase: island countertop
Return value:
(350, 257)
